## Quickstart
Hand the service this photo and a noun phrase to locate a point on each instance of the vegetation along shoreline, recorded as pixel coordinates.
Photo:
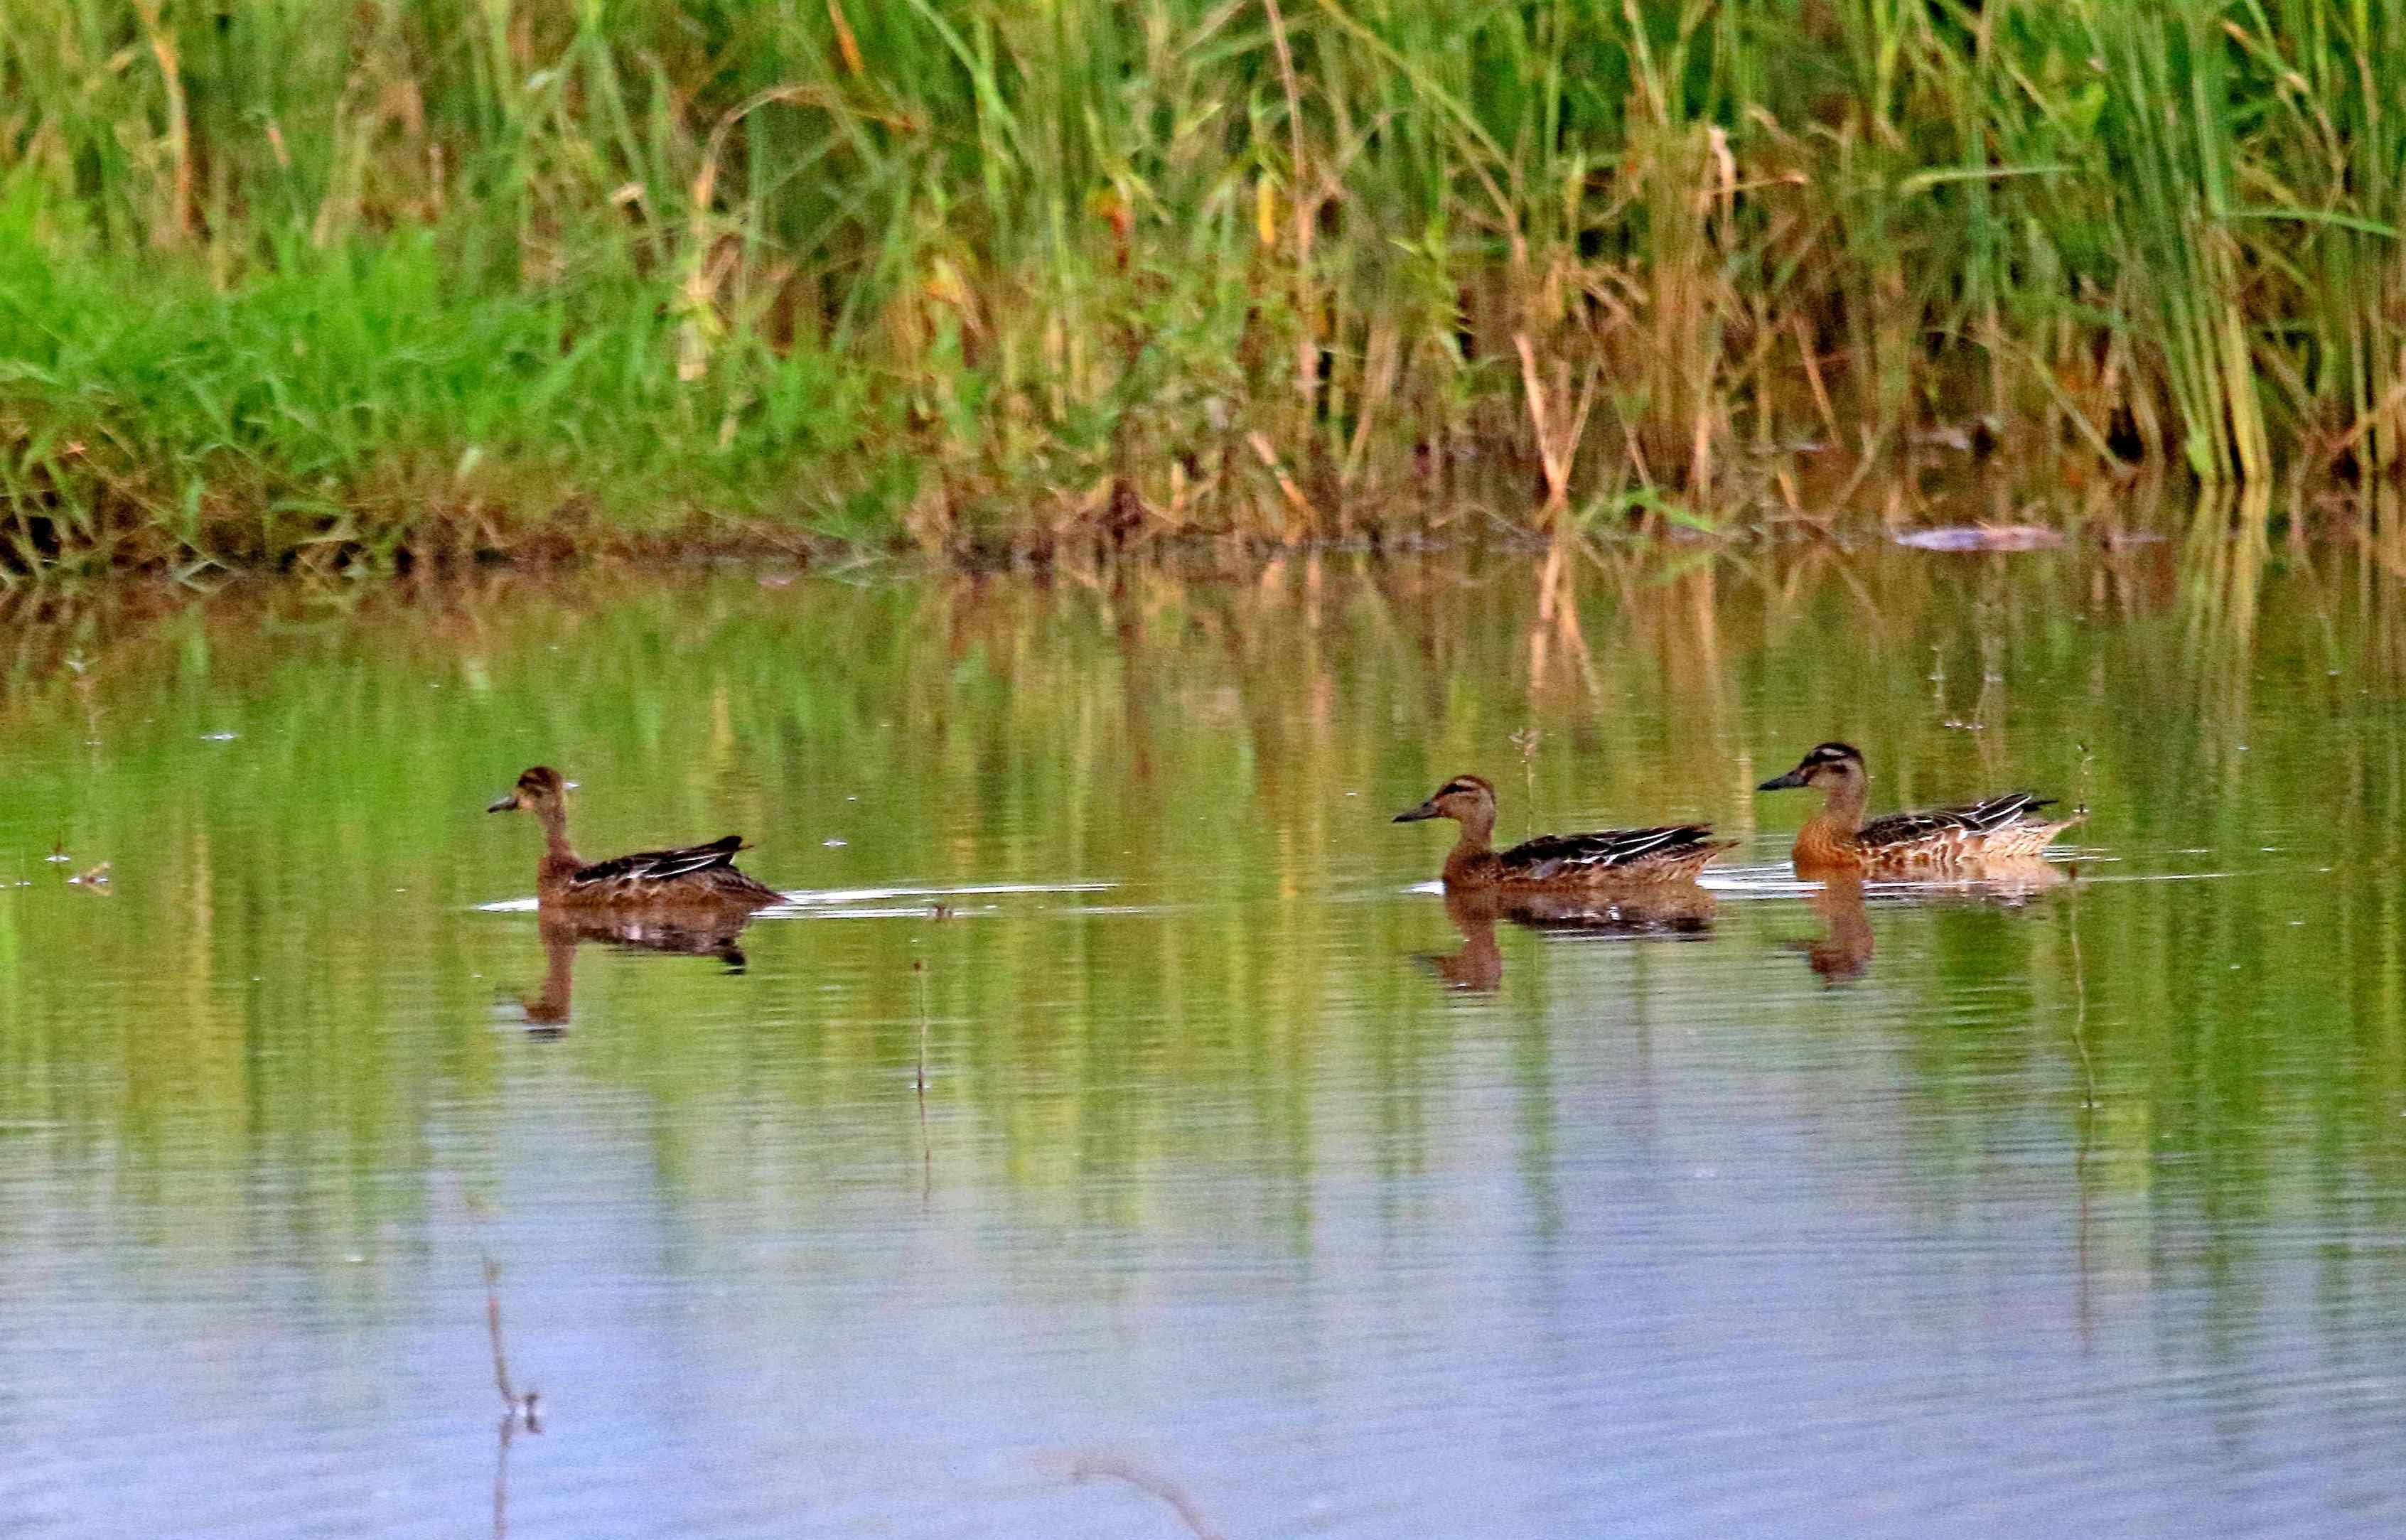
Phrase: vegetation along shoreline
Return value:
(382, 285)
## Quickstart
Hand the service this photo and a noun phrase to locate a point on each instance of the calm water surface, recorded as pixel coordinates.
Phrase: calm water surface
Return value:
(1248, 1172)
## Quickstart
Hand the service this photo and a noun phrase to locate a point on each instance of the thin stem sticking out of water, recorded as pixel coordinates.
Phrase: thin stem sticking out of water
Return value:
(518, 1406)
(927, 1149)
(1527, 741)
(1088, 1464)
(2079, 968)
(2080, 1018)
(502, 1477)
(2088, 1082)
(919, 972)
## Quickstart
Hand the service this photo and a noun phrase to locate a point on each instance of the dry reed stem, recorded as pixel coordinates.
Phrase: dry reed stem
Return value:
(182, 217)
(1557, 443)
(1307, 376)
(1293, 494)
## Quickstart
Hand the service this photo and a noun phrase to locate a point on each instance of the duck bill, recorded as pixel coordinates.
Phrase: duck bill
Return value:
(1426, 810)
(507, 804)
(1789, 782)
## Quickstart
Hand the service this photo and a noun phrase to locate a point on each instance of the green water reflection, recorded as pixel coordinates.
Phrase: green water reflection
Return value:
(1119, 846)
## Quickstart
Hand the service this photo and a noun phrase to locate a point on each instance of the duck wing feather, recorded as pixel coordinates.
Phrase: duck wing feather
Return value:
(1556, 856)
(1982, 817)
(658, 866)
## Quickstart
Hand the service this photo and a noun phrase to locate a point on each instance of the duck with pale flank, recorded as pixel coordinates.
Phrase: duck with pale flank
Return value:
(1669, 853)
(691, 877)
(1970, 839)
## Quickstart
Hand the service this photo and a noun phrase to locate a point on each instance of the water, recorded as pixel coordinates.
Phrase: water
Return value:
(1249, 1174)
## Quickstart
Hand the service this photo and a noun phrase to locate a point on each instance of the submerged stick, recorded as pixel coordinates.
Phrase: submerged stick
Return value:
(927, 1149)
(1527, 741)
(518, 1406)
(1119, 1468)
(502, 1477)
(919, 971)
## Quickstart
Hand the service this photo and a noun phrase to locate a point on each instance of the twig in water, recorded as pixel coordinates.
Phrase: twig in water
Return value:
(502, 1477)
(927, 1149)
(1090, 1463)
(1527, 741)
(2089, 1101)
(518, 1406)
(919, 971)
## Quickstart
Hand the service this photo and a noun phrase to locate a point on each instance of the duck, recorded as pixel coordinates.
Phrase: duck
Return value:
(1671, 852)
(1968, 839)
(692, 877)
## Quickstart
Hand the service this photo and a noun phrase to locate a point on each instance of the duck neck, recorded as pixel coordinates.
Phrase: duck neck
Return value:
(1842, 811)
(560, 858)
(1475, 851)
(1826, 836)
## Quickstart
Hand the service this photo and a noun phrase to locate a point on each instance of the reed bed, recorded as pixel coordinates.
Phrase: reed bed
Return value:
(290, 282)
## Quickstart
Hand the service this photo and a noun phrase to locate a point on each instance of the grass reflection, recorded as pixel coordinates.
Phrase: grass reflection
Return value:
(292, 986)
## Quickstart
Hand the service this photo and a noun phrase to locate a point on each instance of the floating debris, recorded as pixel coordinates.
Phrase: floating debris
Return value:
(1979, 436)
(1983, 537)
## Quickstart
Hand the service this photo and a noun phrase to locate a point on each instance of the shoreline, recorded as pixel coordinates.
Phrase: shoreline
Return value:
(1956, 494)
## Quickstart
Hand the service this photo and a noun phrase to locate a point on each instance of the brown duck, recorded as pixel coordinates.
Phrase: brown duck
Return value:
(1671, 852)
(692, 877)
(1968, 839)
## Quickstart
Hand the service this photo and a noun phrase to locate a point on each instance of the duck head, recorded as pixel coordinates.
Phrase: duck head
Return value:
(1834, 766)
(1466, 799)
(537, 789)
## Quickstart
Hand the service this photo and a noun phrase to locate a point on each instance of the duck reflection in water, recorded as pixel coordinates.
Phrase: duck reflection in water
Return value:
(1843, 952)
(1670, 910)
(709, 933)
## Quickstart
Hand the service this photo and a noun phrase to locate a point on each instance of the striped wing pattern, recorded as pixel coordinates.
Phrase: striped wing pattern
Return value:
(657, 866)
(1624, 852)
(1988, 817)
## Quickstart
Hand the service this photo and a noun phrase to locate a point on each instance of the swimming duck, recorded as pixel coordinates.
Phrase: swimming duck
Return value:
(1965, 839)
(1670, 854)
(692, 877)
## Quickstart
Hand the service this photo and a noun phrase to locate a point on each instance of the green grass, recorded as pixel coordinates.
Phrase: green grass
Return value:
(292, 281)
